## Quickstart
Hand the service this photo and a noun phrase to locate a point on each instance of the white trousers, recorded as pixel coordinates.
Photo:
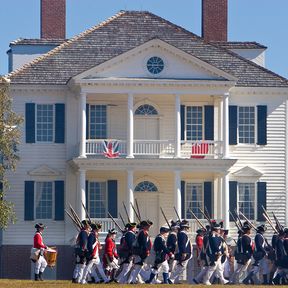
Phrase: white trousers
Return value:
(241, 272)
(211, 269)
(179, 269)
(88, 269)
(164, 266)
(40, 264)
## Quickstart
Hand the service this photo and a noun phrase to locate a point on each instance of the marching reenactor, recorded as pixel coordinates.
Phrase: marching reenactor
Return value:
(184, 251)
(41, 263)
(110, 257)
(141, 249)
(80, 251)
(125, 251)
(243, 255)
(93, 254)
(260, 258)
(162, 254)
(214, 252)
(172, 243)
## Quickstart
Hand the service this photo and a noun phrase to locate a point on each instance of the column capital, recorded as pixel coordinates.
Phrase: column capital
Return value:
(226, 94)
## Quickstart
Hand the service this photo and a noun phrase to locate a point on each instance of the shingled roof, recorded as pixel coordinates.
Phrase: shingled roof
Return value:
(125, 31)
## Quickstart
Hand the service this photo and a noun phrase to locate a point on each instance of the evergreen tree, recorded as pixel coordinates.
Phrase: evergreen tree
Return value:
(9, 139)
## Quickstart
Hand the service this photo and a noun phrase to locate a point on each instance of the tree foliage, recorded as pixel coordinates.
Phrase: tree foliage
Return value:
(9, 139)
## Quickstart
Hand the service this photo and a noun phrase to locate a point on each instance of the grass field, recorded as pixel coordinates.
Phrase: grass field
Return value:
(67, 284)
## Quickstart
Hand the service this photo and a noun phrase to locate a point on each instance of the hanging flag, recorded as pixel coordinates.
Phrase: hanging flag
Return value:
(111, 149)
(199, 150)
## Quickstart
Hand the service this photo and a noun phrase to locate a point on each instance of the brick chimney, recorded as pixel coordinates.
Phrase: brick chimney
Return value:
(214, 20)
(53, 19)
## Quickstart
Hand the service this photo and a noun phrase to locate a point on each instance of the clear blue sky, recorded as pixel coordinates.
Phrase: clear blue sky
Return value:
(264, 21)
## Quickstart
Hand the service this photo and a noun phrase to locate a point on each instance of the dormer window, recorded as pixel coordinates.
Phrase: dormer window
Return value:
(155, 65)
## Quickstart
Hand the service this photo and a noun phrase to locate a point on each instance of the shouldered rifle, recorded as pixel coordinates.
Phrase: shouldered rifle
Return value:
(248, 221)
(138, 210)
(73, 220)
(165, 218)
(128, 218)
(237, 216)
(87, 214)
(235, 221)
(270, 223)
(177, 213)
(207, 212)
(196, 218)
(205, 216)
(74, 214)
(122, 219)
(136, 214)
(277, 221)
(116, 224)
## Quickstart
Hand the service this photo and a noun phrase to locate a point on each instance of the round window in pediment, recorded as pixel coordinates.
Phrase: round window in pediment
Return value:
(155, 65)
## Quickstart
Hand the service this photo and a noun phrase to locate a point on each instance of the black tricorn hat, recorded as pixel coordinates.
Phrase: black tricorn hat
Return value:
(131, 225)
(112, 231)
(146, 223)
(164, 229)
(85, 222)
(40, 226)
(95, 226)
(184, 224)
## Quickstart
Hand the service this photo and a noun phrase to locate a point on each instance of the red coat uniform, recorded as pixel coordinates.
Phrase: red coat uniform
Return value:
(110, 251)
(38, 241)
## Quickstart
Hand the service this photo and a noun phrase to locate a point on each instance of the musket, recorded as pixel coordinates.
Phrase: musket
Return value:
(235, 221)
(116, 224)
(177, 213)
(277, 221)
(205, 216)
(197, 219)
(87, 214)
(123, 222)
(138, 210)
(248, 221)
(207, 212)
(270, 223)
(237, 216)
(138, 217)
(74, 214)
(128, 218)
(73, 220)
(165, 218)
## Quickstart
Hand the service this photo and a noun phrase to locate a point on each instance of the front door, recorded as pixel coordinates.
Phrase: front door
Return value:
(149, 209)
(146, 128)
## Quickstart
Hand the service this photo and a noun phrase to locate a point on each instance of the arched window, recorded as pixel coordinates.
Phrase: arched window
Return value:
(146, 186)
(146, 109)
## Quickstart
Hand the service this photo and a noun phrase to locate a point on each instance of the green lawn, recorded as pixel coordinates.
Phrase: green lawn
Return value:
(67, 284)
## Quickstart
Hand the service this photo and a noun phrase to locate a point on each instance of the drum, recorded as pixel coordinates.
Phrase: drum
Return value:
(51, 257)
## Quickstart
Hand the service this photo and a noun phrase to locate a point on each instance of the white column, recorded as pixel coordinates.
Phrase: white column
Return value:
(220, 198)
(177, 193)
(82, 152)
(130, 194)
(178, 126)
(130, 126)
(226, 125)
(225, 191)
(81, 195)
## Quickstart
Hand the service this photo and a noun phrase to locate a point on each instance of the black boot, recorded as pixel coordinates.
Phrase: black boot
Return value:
(276, 280)
(265, 279)
(37, 277)
(41, 276)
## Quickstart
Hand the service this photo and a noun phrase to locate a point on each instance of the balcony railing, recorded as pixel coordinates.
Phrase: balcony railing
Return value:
(158, 148)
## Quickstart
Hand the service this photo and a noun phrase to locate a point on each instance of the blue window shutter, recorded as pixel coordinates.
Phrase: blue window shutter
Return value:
(183, 214)
(29, 201)
(261, 125)
(261, 200)
(87, 194)
(30, 122)
(208, 197)
(209, 122)
(112, 198)
(59, 200)
(182, 117)
(59, 123)
(233, 119)
(232, 197)
(1, 187)
(87, 121)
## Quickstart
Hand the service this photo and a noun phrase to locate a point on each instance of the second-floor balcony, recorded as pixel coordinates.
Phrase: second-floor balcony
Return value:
(155, 148)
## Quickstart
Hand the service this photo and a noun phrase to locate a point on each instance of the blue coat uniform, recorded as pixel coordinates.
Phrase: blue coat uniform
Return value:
(160, 249)
(214, 247)
(184, 245)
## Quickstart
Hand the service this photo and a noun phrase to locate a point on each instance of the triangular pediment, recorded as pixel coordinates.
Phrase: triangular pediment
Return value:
(177, 65)
(44, 170)
(247, 172)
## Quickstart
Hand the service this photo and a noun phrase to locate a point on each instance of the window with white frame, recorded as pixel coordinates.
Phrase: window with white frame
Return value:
(98, 199)
(246, 124)
(194, 123)
(44, 122)
(44, 200)
(98, 122)
(194, 199)
(146, 109)
(247, 200)
(146, 186)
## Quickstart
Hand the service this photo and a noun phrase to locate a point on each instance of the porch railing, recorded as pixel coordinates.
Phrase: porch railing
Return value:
(160, 148)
